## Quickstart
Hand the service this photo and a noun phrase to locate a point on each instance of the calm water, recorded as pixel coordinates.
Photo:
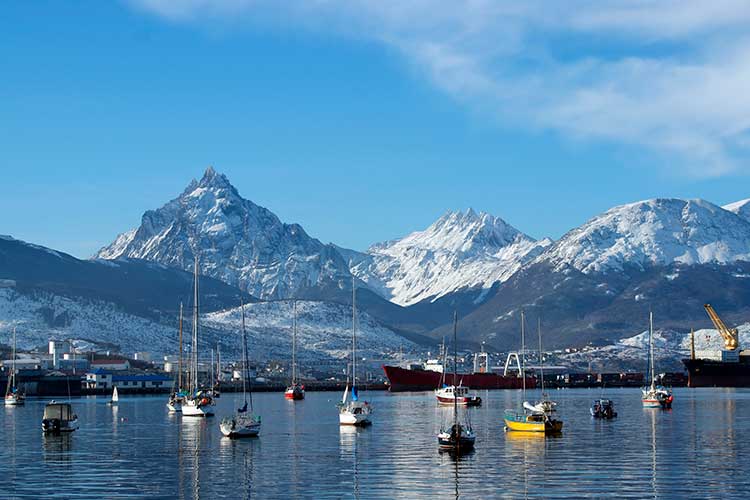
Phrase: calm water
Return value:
(698, 450)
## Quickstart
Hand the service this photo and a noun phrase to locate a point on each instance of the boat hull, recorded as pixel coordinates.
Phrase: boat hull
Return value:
(294, 394)
(403, 379)
(60, 427)
(347, 418)
(14, 401)
(189, 410)
(461, 401)
(237, 429)
(714, 373)
(445, 442)
(526, 423)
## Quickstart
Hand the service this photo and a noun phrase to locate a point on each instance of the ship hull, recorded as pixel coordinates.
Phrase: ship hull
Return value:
(403, 379)
(714, 373)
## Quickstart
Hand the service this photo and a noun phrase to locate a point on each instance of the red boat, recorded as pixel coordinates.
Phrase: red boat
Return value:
(405, 379)
(295, 392)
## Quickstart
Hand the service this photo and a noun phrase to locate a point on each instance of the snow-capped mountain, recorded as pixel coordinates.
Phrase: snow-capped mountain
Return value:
(741, 208)
(461, 250)
(655, 232)
(236, 240)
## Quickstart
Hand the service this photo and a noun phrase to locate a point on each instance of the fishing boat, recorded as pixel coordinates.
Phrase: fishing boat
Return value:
(448, 394)
(244, 423)
(458, 437)
(603, 408)
(531, 417)
(295, 391)
(115, 397)
(352, 411)
(199, 401)
(174, 404)
(59, 417)
(654, 396)
(13, 396)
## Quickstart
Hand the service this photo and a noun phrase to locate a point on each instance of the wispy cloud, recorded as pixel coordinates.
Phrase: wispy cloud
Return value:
(668, 75)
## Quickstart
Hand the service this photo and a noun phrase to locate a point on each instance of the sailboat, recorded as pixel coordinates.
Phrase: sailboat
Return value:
(352, 411)
(199, 402)
(174, 405)
(459, 437)
(654, 396)
(545, 404)
(115, 397)
(295, 391)
(244, 423)
(530, 418)
(13, 396)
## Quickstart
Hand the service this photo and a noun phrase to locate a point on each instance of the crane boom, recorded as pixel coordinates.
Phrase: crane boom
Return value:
(730, 335)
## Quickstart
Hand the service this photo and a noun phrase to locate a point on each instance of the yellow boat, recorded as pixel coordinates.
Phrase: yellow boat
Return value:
(531, 422)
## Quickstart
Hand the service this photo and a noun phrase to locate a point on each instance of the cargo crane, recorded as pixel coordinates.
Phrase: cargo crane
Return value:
(730, 335)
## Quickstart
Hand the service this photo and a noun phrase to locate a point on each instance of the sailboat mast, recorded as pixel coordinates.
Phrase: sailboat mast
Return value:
(294, 342)
(354, 335)
(245, 367)
(651, 347)
(523, 351)
(541, 356)
(13, 363)
(179, 360)
(195, 329)
(455, 370)
(218, 364)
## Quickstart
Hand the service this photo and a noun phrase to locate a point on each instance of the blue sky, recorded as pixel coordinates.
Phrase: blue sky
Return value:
(365, 120)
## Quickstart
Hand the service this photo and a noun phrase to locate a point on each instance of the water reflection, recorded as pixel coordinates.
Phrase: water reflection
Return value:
(348, 437)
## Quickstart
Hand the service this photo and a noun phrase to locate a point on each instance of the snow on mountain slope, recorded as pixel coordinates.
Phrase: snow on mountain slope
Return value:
(237, 242)
(41, 316)
(460, 250)
(670, 347)
(741, 208)
(653, 232)
(323, 329)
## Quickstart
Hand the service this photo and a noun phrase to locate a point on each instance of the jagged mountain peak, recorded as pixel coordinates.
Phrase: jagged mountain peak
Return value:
(237, 241)
(651, 232)
(460, 250)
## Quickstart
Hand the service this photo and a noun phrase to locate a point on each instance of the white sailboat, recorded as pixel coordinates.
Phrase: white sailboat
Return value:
(459, 437)
(244, 423)
(199, 402)
(115, 397)
(654, 396)
(174, 405)
(545, 404)
(13, 396)
(352, 411)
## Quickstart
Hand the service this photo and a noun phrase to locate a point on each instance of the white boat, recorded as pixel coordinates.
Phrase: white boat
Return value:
(115, 397)
(244, 423)
(174, 404)
(352, 411)
(459, 436)
(199, 401)
(545, 405)
(59, 417)
(460, 395)
(13, 395)
(654, 396)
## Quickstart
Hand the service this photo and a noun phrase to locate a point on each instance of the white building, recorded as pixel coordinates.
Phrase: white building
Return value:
(110, 364)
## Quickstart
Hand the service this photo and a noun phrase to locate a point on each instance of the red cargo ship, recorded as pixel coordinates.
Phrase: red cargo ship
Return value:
(410, 379)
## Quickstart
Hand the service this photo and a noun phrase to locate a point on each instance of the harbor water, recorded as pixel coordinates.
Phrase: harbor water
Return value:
(137, 450)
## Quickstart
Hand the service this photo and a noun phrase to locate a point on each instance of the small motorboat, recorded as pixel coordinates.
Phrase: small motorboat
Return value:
(59, 417)
(531, 422)
(449, 394)
(603, 408)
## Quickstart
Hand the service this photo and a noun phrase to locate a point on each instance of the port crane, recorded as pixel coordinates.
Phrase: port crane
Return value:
(730, 335)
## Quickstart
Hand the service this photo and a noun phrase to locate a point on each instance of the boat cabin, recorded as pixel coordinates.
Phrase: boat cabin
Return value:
(59, 411)
(460, 391)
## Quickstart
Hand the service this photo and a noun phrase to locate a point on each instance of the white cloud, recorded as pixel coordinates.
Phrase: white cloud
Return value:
(668, 75)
